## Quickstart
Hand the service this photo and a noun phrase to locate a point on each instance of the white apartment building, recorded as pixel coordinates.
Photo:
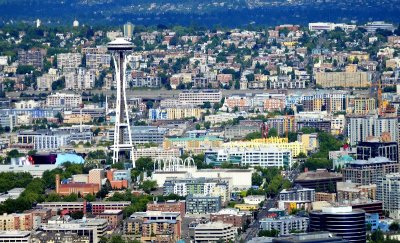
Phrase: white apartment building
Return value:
(69, 60)
(98, 61)
(199, 97)
(321, 26)
(214, 231)
(15, 236)
(80, 78)
(156, 153)
(361, 127)
(297, 194)
(285, 224)
(64, 100)
(254, 199)
(263, 157)
(388, 191)
(46, 80)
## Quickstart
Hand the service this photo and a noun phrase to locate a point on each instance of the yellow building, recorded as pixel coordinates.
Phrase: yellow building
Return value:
(195, 145)
(351, 68)
(183, 112)
(309, 141)
(295, 147)
(289, 43)
(364, 106)
(247, 207)
(76, 118)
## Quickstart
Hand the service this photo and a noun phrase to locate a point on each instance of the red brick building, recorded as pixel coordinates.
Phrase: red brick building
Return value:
(231, 216)
(78, 188)
(114, 217)
(168, 206)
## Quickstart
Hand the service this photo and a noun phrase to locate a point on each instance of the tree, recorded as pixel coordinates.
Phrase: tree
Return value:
(59, 117)
(58, 84)
(272, 132)
(77, 215)
(148, 186)
(253, 135)
(394, 226)
(32, 152)
(268, 233)
(25, 69)
(206, 105)
(90, 198)
(207, 125)
(256, 179)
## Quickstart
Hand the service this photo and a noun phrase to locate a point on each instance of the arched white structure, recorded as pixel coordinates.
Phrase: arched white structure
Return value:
(173, 164)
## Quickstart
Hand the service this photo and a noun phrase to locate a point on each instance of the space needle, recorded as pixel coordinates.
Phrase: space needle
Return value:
(120, 48)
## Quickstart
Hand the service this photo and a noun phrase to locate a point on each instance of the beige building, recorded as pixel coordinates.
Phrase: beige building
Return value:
(196, 145)
(364, 106)
(343, 79)
(69, 60)
(77, 118)
(183, 112)
(21, 221)
(64, 100)
(96, 176)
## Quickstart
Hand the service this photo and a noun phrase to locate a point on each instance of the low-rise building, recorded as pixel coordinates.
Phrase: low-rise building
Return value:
(168, 206)
(231, 216)
(155, 226)
(113, 217)
(214, 231)
(203, 204)
(285, 225)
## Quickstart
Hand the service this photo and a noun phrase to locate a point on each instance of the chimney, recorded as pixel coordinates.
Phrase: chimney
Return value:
(57, 183)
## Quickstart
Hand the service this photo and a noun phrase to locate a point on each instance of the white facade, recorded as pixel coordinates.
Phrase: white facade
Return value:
(156, 153)
(285, 224)
(15, 236)
(34, 170)
(69, 60)
(254, 199)
(388, 191)
(214, 231)
(80, 78)
(240, 178)
(263, 156)
(51, 141)
(96, 61)
(359, 128)
(64, 100)
(200, 97)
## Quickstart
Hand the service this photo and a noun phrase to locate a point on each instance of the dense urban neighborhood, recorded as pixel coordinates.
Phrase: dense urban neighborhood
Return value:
(288, 133)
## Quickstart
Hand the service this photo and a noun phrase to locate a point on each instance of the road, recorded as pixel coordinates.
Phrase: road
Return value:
(163, 94)
(252, 231)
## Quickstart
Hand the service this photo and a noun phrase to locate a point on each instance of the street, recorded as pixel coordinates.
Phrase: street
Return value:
(252, 231)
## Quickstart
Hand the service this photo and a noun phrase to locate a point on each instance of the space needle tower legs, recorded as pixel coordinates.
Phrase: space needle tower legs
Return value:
(120, 48)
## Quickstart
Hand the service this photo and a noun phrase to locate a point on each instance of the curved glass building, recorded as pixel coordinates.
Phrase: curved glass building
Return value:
(345, 222)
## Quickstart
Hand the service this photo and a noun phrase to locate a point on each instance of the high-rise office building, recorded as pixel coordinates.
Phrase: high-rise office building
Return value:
(128, 30)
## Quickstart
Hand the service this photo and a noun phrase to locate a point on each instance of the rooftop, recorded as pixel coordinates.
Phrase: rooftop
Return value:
(318, 174)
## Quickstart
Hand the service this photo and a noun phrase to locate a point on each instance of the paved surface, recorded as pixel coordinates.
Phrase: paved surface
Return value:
(252, 231)
(162, 94)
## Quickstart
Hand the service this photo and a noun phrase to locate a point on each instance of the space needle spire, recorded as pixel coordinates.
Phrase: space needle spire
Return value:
(120, 48)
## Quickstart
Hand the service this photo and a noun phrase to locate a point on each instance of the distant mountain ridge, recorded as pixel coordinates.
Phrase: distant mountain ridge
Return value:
(200, 12)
